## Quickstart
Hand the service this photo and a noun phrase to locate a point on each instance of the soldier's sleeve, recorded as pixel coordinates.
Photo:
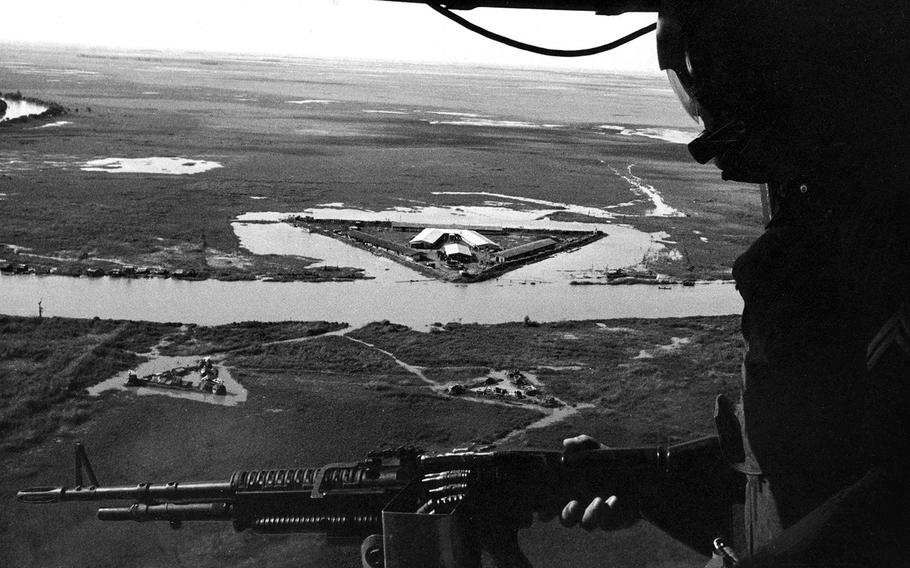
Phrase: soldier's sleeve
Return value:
(886, 410)
(891, 345)
(867, 523)
(862, 526)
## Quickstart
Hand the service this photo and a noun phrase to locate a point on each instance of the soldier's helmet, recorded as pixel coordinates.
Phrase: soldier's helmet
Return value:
(786, 85)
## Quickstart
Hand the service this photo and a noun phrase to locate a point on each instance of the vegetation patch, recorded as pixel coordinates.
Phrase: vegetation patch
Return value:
(323, 356)
(204, 340)
(46, 363)
(450, 374)
(665, 395)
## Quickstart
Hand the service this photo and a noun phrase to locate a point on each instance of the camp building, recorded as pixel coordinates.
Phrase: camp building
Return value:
(458, 251)
(527, 249)
(431, 238)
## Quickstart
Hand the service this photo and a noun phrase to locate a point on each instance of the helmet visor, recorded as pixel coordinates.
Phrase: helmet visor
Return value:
(689, 103)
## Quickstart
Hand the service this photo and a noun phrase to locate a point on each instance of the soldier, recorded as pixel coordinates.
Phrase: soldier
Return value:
(132, 378)
(811, 98)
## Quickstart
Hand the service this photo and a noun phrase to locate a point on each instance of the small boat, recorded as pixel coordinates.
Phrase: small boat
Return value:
(173, 379)
(213, 386)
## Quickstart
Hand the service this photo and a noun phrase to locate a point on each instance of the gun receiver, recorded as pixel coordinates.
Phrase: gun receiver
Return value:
(601, 7)
(431, 510)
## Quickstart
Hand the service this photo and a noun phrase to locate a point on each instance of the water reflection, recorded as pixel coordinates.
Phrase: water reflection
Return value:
(285, 239)
(17, 108)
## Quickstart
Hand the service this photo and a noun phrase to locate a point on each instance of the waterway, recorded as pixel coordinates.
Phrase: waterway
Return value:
(416, 304)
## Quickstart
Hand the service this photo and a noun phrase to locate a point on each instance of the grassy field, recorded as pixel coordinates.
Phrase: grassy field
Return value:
(194, 340)
(315, 398)
(46, 363)
(278, 156)
(666, 370)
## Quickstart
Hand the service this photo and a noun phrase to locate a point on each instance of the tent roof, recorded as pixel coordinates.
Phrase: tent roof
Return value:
(457, 248)
(472, 238)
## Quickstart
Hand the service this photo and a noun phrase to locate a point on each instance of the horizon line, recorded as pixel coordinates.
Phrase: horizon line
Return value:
(262, 55)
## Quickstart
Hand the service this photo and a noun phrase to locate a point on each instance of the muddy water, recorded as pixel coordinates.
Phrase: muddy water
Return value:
(285, 239)
(416, 304)
(236, 394)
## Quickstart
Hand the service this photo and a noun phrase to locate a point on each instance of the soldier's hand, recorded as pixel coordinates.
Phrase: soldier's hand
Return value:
(608, 512)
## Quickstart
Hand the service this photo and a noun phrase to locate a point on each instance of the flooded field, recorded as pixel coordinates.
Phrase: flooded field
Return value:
(170, 166)
(18, 108)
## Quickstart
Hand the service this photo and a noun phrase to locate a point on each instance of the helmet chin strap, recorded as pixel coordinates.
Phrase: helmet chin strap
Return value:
(534, 48)
(765, 194)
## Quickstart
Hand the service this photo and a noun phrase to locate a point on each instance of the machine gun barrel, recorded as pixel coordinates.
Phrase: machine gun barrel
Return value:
(341, 499)
(171, 512)
(602, 7)
(141, 492)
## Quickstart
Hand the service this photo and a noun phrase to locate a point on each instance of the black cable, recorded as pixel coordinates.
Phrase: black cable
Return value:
(537, 49)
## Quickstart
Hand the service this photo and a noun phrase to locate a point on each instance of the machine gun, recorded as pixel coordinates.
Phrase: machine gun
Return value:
(412, 508)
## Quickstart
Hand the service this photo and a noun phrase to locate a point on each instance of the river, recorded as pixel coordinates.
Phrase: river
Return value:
(416, 304)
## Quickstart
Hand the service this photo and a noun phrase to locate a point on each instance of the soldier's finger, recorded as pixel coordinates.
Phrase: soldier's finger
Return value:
(590, 519)
(580, 443)
(571, 514)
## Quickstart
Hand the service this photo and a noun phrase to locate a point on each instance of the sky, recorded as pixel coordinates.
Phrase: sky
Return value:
(348, 29)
